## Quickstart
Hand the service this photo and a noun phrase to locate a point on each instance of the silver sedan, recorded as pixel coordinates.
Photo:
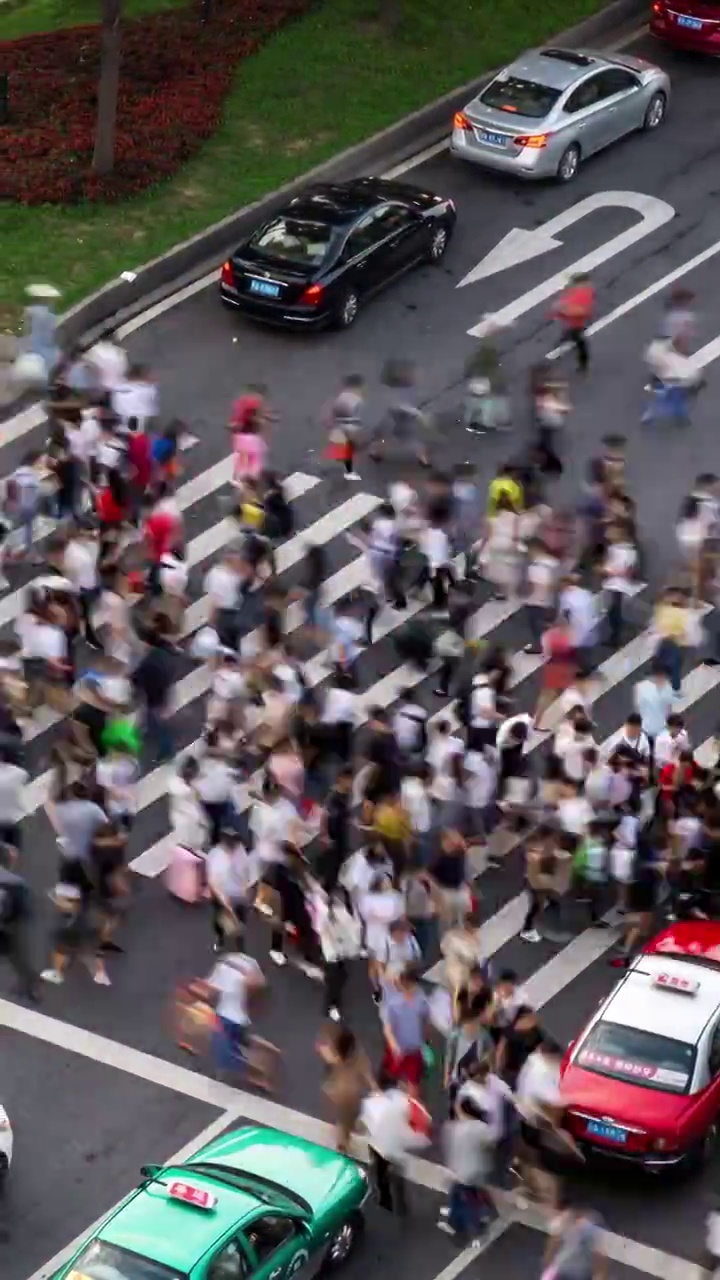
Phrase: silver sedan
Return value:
(552, 108)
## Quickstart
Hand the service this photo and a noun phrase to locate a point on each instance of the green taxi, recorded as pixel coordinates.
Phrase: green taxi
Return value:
(255, 1204)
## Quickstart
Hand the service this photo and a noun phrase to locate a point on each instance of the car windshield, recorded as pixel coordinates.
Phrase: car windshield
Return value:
(103, 1261)
(303, 243)
(520, 97)
(639, 1057)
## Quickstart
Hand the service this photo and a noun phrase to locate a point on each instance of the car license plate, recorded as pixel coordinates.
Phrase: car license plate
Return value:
(611, 1132)
(493, 139)
(265, 288)
(693, 23)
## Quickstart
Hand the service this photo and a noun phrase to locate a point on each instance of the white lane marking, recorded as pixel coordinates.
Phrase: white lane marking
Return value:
(154, 860)
(186, 496)
(198, 549)
(292, 552)
(238, 1104)
(654, 214)
(419, 158)
(34, 416)
(696, 685)
(631, 303)
(208, 1134)
(548, 981)
(154, 784)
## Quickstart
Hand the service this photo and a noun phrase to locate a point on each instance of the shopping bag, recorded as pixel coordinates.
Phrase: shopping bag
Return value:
(184, 877)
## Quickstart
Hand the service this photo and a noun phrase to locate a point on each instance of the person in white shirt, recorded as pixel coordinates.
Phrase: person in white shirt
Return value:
(379, 906)
(188, 819)
(481, 784)
(632, 739)
(235, 979)
(223, 586)
(618, 575)
(232, 874)
(581, 607)
(573, 740)
(173, 578)
(340, 715)
(580, 696)
(668, 744)
(539, 1100)
(136, 397)
(574, 811)
(109, 362)
(654, 700)
(80, 565)
(416, 800)
(444, 756)
(13, 781)
(348, 635)
(485, 717)
(410, 728)
(434, 543)
(542, 579)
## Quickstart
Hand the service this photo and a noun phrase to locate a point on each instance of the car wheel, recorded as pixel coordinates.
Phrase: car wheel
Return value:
(569, 163)
(438, 244)
(343, 1242)
(655, 112)
(346, 310)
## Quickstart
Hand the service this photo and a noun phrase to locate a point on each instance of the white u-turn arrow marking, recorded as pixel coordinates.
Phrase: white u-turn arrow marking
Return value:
(519, 246)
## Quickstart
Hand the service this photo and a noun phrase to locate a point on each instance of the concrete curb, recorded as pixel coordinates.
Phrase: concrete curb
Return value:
(121, 300)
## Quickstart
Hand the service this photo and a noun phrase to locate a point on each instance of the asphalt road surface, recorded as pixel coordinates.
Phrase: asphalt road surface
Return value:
(94, 1083)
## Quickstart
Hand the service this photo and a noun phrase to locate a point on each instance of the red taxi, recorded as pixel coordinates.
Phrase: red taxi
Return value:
(642, 1081)
(687, 24)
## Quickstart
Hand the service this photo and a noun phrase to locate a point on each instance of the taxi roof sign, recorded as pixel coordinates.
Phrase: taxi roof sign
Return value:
(673, 982)
(196, 1196)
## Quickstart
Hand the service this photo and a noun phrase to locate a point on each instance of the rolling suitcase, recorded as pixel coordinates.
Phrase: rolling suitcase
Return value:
(184, 876)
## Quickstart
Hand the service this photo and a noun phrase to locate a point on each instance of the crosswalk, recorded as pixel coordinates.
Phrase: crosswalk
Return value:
(324, 517)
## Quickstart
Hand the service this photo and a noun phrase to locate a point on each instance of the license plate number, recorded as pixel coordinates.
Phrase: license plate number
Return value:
(693, 23)
(611, 1132)
(493, 139)
(265, 288)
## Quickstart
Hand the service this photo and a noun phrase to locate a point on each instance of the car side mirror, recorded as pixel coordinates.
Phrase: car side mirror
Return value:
(150, 1170)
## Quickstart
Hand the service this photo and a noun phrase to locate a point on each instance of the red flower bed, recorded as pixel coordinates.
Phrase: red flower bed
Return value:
(174, 76)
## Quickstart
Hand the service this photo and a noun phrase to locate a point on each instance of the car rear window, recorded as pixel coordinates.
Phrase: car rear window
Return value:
(303, 243)
(638, 1057)
(520, 97)
(103, 1261)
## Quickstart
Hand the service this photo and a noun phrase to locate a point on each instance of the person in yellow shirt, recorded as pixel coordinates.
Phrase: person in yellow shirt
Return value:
(506, 485)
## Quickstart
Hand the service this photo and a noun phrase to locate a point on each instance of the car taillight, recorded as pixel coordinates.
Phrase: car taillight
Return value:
(657, 7)
(226, 275)
(312, 295)
(534, 140)
(460, 121)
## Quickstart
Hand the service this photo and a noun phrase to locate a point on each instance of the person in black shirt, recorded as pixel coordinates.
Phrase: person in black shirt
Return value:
(383, 754)
(336, 829)
(516, 1043)
(153, 680)
(14, 915)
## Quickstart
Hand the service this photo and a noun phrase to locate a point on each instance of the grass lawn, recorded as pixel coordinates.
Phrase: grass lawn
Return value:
(325, 82)
(20, 18)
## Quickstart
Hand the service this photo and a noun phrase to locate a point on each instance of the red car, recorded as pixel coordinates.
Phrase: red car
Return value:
(687, 24)
(642, 1081)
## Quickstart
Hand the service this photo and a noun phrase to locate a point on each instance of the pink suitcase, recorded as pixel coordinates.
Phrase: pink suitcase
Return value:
(184, 875)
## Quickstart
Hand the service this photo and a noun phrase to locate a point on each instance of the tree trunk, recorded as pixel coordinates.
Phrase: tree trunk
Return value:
(104, 153)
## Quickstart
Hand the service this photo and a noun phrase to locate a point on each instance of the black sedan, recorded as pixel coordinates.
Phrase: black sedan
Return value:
(317, 260)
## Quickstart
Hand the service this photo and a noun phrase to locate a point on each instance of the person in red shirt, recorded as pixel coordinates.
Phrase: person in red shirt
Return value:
(162, 531)
(112, 507)
(140, 462)
(574, 311)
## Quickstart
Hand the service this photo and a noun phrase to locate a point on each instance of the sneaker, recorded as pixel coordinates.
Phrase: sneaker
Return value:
(443, 1225)
(311, 970)
(334, 1014)
(352, 475)
(52, 975)
(445, 1211)
(279, 958)
(102, 979)
(263, 908)
(530, 935)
